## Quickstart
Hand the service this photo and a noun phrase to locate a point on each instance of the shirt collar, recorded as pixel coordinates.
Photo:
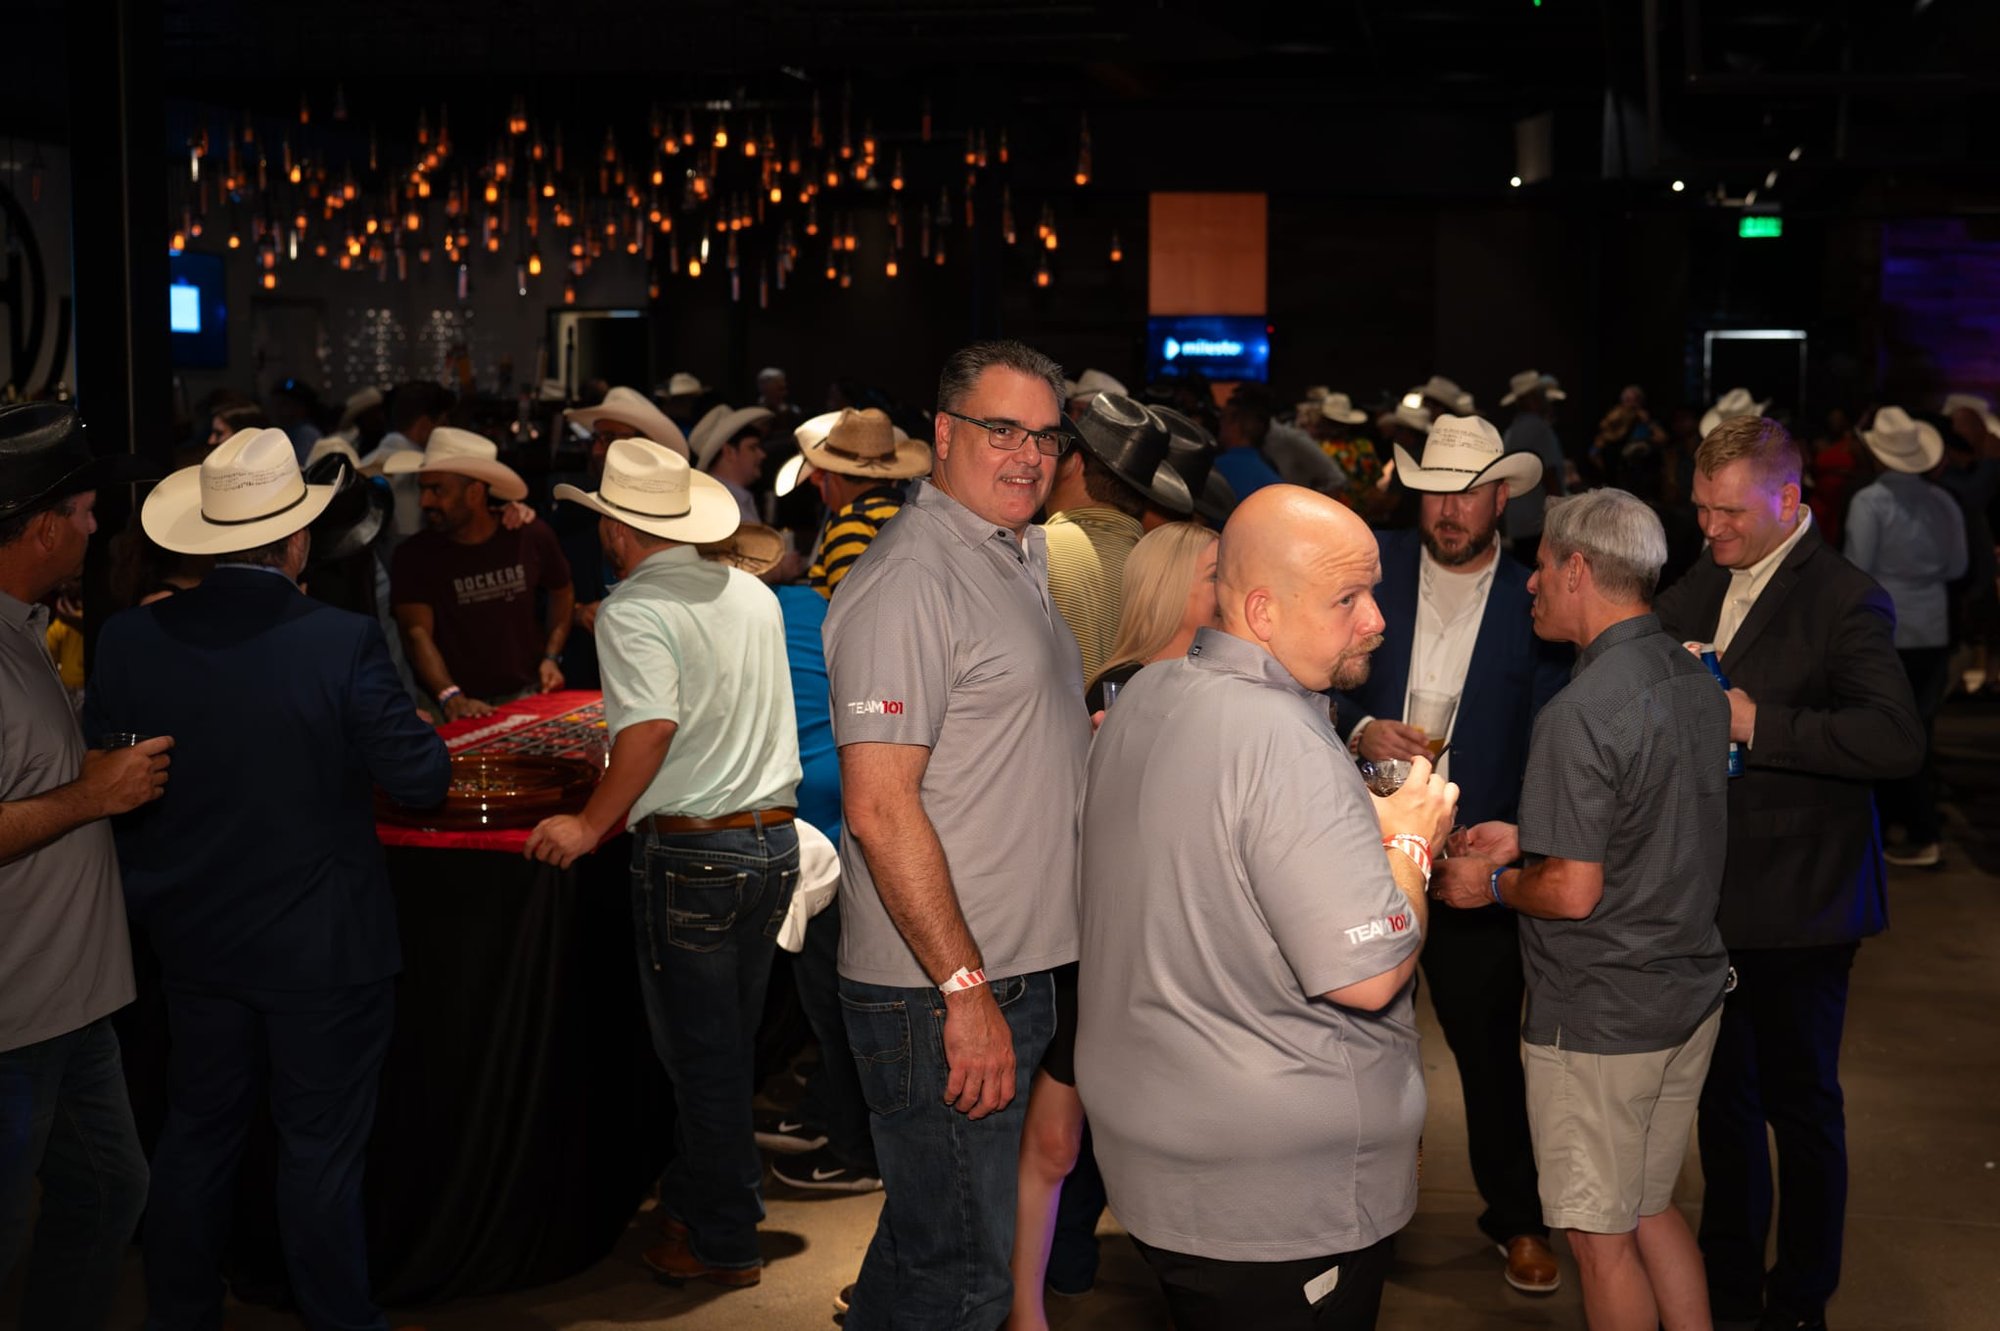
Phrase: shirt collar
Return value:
(968, 526)
(1759, 570)
(1433, 567)
(262, 568)
(1101, 517)
(21, 614)
(1623, 631)
(661, 560)
(1214, 649)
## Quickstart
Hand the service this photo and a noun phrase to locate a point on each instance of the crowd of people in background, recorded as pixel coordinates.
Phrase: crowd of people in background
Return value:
(897, 625)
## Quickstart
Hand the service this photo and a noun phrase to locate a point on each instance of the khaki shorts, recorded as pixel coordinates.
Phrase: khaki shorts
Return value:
(1610, 1130)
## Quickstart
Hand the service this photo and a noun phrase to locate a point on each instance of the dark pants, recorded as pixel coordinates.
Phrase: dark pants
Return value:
(832, 1102)
(939, 1259)
(1073, 1249)
(1206, 1294)
(1472, 963)
(64, 1119)
(323, 1050)
(1912, 800)
(706, 910)
(1777, 1061)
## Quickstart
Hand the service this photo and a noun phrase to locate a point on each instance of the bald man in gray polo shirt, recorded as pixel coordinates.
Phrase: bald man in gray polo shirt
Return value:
(1247, 1044)
(957, 698)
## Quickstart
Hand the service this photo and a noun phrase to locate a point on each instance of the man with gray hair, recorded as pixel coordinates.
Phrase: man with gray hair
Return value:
(958, 710)
(1624, 825)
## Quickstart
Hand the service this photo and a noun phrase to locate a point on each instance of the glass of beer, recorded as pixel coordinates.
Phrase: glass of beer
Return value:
(1432, 713)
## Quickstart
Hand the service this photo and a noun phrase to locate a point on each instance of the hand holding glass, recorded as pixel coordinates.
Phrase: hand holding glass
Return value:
(1432, 713)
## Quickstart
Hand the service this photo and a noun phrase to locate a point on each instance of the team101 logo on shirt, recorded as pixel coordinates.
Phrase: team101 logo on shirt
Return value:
(1385, 927)
(877, 707)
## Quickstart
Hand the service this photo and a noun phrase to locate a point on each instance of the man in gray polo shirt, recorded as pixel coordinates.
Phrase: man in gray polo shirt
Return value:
(1247, 1045)
(958, 708)
(1624, 822)
(65, 962)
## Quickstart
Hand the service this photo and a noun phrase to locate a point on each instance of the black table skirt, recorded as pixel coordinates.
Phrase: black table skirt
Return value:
(523, 1115)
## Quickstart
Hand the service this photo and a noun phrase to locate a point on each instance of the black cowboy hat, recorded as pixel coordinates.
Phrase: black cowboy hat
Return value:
(44, 458)
(1191, 451)
(1133, 443)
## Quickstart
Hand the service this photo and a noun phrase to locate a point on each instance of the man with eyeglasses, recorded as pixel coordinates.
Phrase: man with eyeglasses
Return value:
(958, 708)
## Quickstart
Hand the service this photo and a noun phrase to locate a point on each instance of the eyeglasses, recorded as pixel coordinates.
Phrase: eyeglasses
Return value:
(1007, 436)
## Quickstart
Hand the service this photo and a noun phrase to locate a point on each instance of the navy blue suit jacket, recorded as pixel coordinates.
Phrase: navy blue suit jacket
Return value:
(1512, 674)
(259, 866)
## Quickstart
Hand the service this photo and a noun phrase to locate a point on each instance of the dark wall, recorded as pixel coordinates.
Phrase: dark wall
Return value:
(1366, 295)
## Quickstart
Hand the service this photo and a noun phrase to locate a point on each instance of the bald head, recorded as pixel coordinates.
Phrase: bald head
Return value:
(1296, 575)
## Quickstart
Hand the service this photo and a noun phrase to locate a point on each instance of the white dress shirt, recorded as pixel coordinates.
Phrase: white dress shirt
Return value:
(1450, 606)
(1747, 584)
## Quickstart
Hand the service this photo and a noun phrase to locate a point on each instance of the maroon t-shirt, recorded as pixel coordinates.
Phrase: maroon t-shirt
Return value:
(482, 599)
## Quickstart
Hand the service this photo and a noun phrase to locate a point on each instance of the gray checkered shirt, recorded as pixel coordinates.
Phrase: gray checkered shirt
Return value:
(1628, 768)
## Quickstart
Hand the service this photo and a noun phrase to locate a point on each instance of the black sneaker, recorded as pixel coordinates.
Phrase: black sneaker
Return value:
(818, 1171)
(786, 1133)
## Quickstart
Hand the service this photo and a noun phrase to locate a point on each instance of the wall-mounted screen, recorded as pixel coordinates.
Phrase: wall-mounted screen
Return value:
(197, 310)
(1221, 346)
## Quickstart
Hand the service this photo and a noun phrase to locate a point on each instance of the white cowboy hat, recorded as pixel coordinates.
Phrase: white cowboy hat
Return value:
(863, 443)
(365, 400)
(1465, 451)
(649, 486)
(1407, 413)
(1736, 402)
(682, 384)
(332, 445)
(1339, 407)
(635, 411)
(247, 492)
(1089, 384)
(718, 427)
(1317, 391)
(1902, 444)
(1445, 391)
(1977, 404)
(1531, 381)
(462, 453)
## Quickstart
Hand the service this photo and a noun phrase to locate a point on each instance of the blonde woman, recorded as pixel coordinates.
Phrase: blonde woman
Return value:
(1169, 593)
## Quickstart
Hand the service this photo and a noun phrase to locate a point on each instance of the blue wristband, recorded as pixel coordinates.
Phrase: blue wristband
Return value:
(1493, 885)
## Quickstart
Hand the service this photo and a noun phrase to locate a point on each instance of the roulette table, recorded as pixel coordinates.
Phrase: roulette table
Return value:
(523, 1115)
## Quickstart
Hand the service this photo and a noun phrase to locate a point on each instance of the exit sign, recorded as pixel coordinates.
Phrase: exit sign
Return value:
(1760, 228)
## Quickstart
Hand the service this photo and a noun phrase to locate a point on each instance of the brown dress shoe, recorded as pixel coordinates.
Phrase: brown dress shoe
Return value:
(1531, 1265)
(676, 1260)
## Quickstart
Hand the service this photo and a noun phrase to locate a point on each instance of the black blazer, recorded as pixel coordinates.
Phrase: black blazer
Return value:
(1834, 715)
(259, 865)
(1511, 675)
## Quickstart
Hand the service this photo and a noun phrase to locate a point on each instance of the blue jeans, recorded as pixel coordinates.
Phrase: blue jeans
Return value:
(832, 1100)
(939, 1258)
(64, 1117)
(706, 910)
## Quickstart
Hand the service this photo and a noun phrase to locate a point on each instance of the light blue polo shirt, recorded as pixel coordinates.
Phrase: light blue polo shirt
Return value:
(698, 643)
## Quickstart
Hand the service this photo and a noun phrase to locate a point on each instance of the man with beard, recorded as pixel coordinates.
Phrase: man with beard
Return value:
(1458, 624)
(464, 588)
(1246, 1041)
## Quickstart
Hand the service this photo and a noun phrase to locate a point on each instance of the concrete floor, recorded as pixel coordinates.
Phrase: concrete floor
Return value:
(1921, 1068)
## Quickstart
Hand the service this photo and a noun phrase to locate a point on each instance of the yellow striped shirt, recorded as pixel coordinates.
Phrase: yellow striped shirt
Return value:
(1087, 550)
(848, 532)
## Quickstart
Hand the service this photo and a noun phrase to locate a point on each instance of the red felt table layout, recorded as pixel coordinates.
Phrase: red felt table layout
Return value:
(567, 724)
